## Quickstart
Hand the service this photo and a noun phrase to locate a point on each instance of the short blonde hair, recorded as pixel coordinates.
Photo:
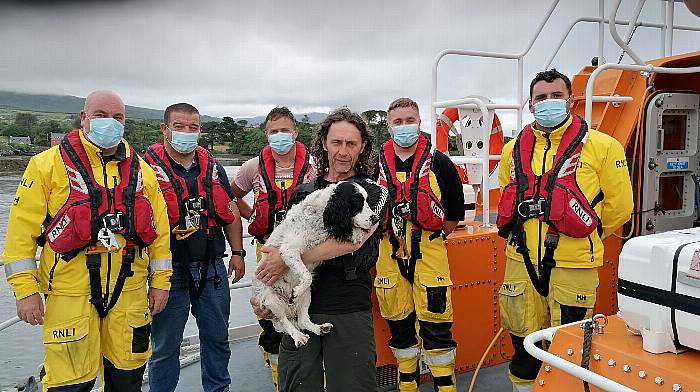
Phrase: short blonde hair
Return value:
(403, 103)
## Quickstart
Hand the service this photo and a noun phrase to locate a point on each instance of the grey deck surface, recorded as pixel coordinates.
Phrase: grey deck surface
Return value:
(249, 374)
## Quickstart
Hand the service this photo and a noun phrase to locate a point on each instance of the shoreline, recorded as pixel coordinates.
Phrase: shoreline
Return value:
(16, 164)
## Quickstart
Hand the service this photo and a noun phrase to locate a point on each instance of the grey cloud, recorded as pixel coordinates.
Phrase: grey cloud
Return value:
(241, 58)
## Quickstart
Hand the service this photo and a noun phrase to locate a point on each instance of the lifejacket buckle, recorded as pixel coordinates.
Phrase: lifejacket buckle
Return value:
(551, 240)
(192, 220)
(195, 204)
(280, 215)
(113, 222)
(401, 210)
(532, 208)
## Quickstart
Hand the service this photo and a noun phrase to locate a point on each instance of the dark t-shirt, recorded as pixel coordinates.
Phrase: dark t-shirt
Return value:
(331, 291)
(194, 247)
(451, 193)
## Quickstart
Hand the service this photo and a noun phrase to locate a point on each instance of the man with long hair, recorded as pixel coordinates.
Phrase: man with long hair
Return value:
(341, 293)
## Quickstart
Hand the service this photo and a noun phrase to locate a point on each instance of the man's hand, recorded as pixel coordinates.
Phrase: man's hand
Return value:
(270, 269)
(31, 309)
(260, 311)
(237, 263)
(157, 299)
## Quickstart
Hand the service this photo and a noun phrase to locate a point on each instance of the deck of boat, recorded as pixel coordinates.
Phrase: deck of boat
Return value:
(249, 374)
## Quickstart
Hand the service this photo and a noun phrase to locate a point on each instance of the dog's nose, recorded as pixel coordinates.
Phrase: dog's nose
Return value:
(374, 218)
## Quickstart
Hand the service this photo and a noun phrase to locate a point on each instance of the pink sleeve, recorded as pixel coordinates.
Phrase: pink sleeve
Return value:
(246, 174)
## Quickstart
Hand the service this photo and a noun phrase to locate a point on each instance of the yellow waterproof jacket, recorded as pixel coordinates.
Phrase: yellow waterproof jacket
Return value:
(601, 168)
(43, 190)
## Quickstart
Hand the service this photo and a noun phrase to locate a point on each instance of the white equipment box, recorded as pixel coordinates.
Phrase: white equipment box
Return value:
(659, 289)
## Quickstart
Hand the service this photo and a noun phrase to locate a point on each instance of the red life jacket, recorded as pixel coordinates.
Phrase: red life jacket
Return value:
(271, 202)
(425, 210)
(554, 197)
(211, 200)
(90, 206)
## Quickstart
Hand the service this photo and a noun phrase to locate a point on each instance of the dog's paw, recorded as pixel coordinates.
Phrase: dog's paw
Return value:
(325, 328)
(300, 339)
(296, 293)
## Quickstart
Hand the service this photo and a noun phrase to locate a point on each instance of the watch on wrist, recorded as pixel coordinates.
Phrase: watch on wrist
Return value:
(241, 253)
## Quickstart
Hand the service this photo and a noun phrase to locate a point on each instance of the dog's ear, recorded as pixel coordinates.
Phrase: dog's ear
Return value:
(336, 217)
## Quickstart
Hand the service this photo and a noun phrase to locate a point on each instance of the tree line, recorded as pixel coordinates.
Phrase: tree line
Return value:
(227, 136)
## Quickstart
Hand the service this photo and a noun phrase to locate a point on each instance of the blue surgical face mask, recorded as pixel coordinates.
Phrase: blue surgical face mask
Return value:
(405, 135)
(105, 132)
(184, 142)
(281, 142)
(550, 112)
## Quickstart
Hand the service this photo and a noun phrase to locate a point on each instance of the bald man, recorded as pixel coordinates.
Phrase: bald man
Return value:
(96, 210)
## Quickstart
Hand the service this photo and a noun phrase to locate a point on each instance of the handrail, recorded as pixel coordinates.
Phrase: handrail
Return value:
(622, 44)
(569, 367)
(588, 113)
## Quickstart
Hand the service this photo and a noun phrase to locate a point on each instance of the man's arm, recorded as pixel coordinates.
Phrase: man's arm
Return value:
(234, 237)
(27, 214)
(160, 264)
(617, 204)
(233, 231)
(504, 165)
(244, 209)
(452, 194)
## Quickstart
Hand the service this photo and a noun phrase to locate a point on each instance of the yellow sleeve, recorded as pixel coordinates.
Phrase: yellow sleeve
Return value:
(159, 251)
(618, 203)
(27, 215)
(504, 166)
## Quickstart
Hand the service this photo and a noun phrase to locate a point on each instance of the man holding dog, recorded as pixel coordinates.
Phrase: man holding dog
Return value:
(342, 285)
(413, 275)
(282, 165)
(198, 196)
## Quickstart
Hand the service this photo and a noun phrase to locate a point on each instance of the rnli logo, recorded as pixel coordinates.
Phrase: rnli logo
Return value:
(583, 215)
(139, 182)
(76, 180)
(509, 287)
(58, 229)
(512, 169)
(383, 281)
(437, 210)
(160, 173)
(63, 333)
(569, 166)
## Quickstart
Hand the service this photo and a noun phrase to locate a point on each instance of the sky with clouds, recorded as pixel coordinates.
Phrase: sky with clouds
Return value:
(241, 58)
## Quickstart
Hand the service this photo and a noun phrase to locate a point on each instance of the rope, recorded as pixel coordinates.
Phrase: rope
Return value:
(483, 357)
(586, 354)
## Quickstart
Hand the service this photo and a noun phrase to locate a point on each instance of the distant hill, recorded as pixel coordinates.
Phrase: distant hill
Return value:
(70, 104)
(314, 118)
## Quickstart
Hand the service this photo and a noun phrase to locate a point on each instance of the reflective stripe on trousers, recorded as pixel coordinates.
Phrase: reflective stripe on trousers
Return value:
(405, 353)
(446, 358)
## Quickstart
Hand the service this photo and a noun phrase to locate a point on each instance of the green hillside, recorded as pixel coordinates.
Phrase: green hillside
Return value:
(70, 105)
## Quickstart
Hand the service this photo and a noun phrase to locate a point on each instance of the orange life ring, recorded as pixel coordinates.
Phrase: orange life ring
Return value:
(446, 123)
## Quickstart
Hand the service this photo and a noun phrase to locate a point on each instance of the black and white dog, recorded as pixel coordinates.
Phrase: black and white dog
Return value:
(338, 211)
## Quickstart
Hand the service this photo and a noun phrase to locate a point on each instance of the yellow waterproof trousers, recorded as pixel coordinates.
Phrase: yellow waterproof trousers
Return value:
(572, 295)
(79, 344)
(422, 308)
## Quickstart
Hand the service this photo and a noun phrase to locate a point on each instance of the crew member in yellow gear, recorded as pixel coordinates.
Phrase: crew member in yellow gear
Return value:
(281, 166)
(105, 234)
(413, 275)
(553, 254)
